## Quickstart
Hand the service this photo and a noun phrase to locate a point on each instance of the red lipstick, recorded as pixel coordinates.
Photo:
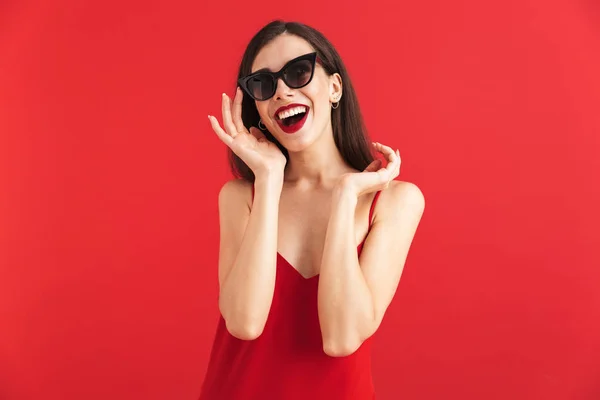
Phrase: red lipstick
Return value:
(295, 127)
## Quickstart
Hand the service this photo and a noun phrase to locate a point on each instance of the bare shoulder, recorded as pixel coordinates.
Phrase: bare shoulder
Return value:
(235, 194)
(398, 199)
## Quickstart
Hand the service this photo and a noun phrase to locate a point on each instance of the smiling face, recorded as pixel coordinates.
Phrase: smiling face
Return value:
(296, 117)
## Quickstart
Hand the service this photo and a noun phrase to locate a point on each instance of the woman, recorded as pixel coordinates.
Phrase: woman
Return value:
(314, 235)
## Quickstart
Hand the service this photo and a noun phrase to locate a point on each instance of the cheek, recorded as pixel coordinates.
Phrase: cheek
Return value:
(320, 102)
(319, 94)
(262, 108)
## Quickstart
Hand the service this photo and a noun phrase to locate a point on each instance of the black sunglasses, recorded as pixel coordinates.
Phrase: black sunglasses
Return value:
(296, 73)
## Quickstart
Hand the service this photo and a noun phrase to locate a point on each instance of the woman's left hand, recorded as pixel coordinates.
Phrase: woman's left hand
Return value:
(374, 177)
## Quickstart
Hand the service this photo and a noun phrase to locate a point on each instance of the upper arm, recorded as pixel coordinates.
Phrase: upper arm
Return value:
(234, 212)
(382, 259)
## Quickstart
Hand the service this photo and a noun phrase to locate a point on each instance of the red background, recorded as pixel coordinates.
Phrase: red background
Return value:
(109, 175)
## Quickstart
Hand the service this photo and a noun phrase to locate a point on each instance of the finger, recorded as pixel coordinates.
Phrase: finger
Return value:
(393, 167)
(386, 151)
(224, 136)
(237, 110)
(227, 121)
(392, 157)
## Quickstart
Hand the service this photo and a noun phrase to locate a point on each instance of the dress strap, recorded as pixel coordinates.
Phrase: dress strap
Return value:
(373, 207)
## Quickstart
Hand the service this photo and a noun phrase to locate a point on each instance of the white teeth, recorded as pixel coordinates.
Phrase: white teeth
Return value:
(291, 111)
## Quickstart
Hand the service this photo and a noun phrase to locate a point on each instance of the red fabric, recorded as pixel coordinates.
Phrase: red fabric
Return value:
(287, 361)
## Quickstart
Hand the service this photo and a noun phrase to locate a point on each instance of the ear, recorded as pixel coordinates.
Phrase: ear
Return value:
(335, 88)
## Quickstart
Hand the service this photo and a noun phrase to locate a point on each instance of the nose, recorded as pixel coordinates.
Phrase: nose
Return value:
(282, 91)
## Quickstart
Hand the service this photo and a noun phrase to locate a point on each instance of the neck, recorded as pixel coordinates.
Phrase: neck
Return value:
(318, 165)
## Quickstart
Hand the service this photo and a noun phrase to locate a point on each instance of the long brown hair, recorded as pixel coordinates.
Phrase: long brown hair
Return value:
(349, 132)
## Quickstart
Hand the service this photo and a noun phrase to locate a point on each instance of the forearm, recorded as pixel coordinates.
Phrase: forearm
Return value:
(345, 303)
(247, 290)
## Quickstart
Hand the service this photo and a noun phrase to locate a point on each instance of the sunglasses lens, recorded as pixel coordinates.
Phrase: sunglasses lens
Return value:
(261, 86)
(298, 74)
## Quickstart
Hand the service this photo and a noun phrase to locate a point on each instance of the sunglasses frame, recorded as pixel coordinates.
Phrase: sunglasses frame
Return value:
(243, 82)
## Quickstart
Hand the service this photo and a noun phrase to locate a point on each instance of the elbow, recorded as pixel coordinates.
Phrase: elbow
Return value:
(347, 341)
(240, 324)
(244, 330)
(339, 348)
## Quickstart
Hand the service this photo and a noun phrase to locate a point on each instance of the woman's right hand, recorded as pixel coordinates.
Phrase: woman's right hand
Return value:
(260, 154)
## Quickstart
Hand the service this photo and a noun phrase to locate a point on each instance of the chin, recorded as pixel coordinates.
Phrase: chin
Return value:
(299, 140)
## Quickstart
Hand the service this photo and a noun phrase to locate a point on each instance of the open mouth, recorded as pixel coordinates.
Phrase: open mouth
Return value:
(293, 119)
(289, 121)
(293, 116)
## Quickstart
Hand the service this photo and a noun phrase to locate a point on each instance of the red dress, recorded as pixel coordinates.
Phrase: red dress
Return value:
(287, 362)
